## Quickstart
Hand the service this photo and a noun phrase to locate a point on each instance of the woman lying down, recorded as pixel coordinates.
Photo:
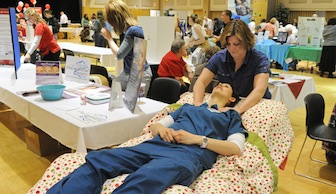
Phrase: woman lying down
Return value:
(185, 143)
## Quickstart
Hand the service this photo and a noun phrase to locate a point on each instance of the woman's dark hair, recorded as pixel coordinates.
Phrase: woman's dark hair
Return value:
(193, 16)
(100, 15)
(235, 95)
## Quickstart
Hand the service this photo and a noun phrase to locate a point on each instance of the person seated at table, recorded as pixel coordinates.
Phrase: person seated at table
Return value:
(246, 68)
(209, 52)
(43, 38)
(126, 26)
(198, 34)
(172, 64)
(291, 38)
(185, 143)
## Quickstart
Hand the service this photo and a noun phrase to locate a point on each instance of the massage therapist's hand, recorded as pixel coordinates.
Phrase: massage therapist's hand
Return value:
(184, 137)
(106, 34)
(224, 109)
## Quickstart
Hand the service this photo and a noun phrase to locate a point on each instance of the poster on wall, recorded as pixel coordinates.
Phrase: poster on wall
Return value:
(137, 69)
(310, 31)
(240, 9)
(9, 44)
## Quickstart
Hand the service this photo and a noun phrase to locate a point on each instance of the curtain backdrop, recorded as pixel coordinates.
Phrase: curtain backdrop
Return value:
(72, 8)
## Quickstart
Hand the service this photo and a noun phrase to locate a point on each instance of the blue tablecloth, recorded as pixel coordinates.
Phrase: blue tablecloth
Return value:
(274, 51)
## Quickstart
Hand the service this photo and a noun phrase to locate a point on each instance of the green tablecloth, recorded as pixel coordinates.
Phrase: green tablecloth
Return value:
(305, 53)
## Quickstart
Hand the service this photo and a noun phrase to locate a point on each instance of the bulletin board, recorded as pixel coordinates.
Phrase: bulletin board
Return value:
(310, 31)
(9, 44)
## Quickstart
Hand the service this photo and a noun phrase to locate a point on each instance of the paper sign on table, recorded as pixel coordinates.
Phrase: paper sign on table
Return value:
(77, 69)
(47, 72)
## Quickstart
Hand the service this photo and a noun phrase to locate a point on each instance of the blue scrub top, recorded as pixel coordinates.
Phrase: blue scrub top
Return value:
(222, 65)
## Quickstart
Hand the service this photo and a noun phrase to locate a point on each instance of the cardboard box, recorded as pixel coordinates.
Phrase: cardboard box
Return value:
(41, 143)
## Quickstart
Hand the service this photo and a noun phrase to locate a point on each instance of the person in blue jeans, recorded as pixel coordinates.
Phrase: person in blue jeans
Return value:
(185, 143)
(121, 19)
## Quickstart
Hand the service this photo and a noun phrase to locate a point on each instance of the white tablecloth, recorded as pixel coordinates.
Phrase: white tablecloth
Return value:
(281, 89)
(105, 55)
(57, 118)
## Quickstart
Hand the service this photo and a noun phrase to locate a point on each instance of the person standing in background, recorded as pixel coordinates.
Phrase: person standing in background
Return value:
(207, 21)
(262, 23)
(124, 24)
(64, 22)
(328, 57)
(217, 27)
(99, 40)
(52, 21)
(92, 19)
(43, 38)
(226, 18)
(252, 25)
(270, 26)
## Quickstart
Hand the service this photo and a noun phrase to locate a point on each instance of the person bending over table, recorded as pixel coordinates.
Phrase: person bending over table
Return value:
(185, 143)
(44, 39)
(245, 68)
(121, 19)
(173, 65)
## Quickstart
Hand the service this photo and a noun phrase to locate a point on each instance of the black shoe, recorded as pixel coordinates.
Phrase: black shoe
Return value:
(321, 74)
(331, 76)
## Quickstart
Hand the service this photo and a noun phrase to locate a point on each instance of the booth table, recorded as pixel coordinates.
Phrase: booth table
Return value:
(68, 121)
(265, 47)
(105, 55)
(305, 53)
(275, 51)
(291, 89)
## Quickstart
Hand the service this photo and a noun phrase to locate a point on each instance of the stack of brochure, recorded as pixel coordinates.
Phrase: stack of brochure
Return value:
(98, 98)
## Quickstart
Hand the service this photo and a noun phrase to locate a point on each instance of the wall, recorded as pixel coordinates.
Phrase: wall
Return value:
(306, 8)
(214, 8)
(309, 5)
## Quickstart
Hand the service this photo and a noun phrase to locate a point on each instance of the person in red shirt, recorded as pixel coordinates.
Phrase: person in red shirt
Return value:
(43, 38)
(172, 64)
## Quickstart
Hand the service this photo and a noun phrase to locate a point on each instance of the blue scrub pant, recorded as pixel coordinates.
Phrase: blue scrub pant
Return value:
(153, 166)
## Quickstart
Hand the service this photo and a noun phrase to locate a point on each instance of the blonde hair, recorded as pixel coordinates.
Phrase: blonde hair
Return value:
(30, 12)
(239, 29)
(119, 16)
(273, 20)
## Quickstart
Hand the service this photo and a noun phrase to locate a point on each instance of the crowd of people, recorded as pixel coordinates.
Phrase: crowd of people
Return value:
(203, 33)
(241, 70)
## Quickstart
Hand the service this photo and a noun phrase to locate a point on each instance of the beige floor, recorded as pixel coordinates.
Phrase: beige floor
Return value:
(20, 168)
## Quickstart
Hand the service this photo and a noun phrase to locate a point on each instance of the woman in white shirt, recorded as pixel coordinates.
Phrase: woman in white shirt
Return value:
(198, 37)
(291, 39)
